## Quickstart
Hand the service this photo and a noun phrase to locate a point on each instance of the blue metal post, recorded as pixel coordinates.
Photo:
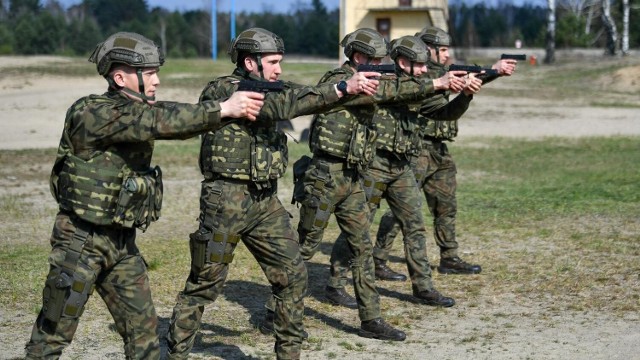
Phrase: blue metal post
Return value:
(233, 19)
(214, 30)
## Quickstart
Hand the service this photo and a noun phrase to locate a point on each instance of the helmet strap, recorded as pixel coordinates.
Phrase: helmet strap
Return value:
(260, 68)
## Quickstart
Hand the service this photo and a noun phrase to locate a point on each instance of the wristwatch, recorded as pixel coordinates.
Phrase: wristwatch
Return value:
(342, 87)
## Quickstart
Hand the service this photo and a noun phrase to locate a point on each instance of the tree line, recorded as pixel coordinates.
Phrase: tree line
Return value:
(30, 27)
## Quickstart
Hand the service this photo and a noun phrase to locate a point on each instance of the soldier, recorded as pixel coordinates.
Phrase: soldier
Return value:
(105, 187)
(390, 176)
(434, 167)
(341, 141)
(241, 165)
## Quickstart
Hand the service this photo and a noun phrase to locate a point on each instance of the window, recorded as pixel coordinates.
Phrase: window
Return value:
(384, 27)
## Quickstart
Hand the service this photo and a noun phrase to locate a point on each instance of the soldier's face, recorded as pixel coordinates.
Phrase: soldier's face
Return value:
(407, 66)
(271, 66)
(443, 54)
(129, 80)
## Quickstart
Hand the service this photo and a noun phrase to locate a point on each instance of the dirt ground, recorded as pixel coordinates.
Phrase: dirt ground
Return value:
(32, 112)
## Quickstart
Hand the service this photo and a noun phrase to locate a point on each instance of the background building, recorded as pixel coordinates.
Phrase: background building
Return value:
(393, 18)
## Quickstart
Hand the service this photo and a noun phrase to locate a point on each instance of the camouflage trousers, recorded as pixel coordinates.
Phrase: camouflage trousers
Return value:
(110, 262)
(332, 188)
(230, 211)
(391, 178)
(436, 175)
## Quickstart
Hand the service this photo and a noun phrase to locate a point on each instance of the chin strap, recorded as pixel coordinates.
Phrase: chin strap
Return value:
(260, 68)
(139, 94)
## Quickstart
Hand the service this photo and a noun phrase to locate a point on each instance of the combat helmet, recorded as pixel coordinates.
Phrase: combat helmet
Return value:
(432, 35)
(126, 48)
(130, 49)
(366, 41)
(410, 47)
(435, 37)
(255, 41)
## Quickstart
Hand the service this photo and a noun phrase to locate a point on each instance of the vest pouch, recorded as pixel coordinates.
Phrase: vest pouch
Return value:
(140, 200)
(269, 156)
(88, 190)
(362, 146)
(446, 129)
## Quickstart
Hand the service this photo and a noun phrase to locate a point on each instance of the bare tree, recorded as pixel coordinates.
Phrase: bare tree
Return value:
(610, 28)
(550, 56)
(625, 27)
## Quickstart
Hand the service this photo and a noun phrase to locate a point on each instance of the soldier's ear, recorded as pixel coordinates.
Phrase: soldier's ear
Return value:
(118, 77)
(250, 64)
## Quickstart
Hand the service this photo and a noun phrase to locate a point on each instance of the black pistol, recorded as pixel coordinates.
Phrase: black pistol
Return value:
(513, 56)
(473, 69)
(382, 68)
(260, 86)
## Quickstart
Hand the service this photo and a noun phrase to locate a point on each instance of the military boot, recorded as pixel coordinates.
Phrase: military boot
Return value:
(266, 326)
(455, 265)
(379, 329)
(433, 298)
(340, 297)
(383, 272)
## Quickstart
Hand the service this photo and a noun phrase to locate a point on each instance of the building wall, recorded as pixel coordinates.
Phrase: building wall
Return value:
(357, 14)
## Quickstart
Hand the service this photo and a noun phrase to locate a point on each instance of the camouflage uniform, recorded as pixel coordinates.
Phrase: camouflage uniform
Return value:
(107, 144)
(435, 171)
(241, 164)
(343, 145)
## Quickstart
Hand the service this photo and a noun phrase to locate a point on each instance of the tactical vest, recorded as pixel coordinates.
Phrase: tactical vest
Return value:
(245, 152)
(114, 186)
(440, 129)
(348, 135)
(396, 128)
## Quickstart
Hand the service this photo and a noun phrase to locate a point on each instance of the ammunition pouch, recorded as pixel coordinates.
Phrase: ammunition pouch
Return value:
(373, 190)
(140, 200)
(66, 291)
(269, 156)
(363, 145)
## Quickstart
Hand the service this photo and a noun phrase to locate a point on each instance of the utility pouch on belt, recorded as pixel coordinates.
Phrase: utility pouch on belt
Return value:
(66, 291)
(140, 200)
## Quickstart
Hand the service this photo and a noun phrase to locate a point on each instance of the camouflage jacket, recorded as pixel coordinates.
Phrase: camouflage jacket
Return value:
(257, 151)
(348, 131)
(107, 137)
(438, 116)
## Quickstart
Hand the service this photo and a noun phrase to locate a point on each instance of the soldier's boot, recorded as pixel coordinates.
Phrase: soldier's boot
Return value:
(383, 272)
(340, 297)
(266, 326)
(379, 329)
(455, 265)
(433, 298)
